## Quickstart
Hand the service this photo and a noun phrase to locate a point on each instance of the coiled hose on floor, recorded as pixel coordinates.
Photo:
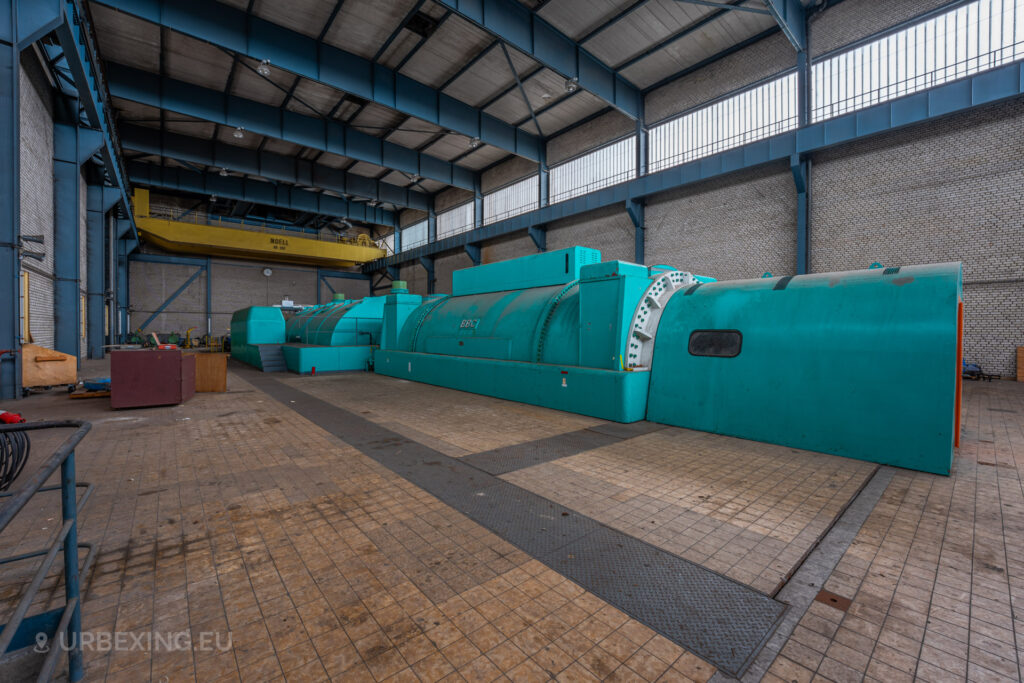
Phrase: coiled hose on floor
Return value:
(14, 451)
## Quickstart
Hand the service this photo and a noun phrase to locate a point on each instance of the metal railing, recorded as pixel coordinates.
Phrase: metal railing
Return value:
(512, 200)
(753, 114)
(608, 165)
(974, 37)
(415, 235)
(456, 220)
(65, 623)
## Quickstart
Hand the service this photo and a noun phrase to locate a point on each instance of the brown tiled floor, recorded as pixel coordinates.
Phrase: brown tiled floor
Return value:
(234, 514)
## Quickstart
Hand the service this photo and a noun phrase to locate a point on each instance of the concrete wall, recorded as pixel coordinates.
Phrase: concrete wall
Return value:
(948, 190)
(236, 284)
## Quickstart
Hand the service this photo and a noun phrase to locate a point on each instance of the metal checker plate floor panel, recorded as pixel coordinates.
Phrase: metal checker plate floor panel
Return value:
(719, 619)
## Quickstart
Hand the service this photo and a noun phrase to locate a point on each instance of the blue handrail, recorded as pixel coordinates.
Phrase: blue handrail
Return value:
(19, 631)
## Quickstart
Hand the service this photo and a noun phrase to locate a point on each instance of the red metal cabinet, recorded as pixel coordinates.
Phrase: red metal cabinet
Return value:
(151, 378)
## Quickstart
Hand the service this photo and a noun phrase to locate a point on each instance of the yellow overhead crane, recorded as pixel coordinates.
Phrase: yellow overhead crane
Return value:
(256, 242)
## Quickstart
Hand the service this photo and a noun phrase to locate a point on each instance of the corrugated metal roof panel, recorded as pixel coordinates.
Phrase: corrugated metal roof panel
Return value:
(334, 160)
(249, 140)
(136, 113)
(489, 76)
(399, 49)
(432, 185)
(305, 16)
(707, 41)
(369, 170)
(482, 157)
(362, 26)
(265, 89)
(568, 112)
(127, 40)
(321, 98)
(194, 61)
(413, 133)
(397, 178)
(445, 51)
(649, 24)
(281, 147)
(577, 18)
(448, 147)
(193, 128)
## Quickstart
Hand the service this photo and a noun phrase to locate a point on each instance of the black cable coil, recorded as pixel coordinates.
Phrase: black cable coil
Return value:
(14, 450)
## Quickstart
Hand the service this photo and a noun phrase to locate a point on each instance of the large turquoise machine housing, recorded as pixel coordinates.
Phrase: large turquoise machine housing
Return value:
(862, 364)
(340, 335)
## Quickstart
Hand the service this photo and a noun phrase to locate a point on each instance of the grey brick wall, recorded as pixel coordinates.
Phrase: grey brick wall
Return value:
(36, 195)
(594, 133)
(451, 197)
(853, 20)
(609, 230)
(762, 59)
(730, 228)
(949, 190)
(236, 284)
(506, 172)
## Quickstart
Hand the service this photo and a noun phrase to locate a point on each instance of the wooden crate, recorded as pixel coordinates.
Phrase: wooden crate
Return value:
(211, 372)
(42, 367)
(1020, 363)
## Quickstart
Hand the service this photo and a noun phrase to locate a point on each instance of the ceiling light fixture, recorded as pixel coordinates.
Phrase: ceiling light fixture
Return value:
(545, 96)
(416, 177)
(264, 68)
(374, 203)
(572, 85)
(213, 197)
(238, 133)
(223, 173)
(474, 143)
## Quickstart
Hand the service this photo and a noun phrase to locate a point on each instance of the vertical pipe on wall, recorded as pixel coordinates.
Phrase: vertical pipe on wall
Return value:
(67, 279)
(802, 175)
(94, 237)
(10, 262)
(209, 296)
(110, 293)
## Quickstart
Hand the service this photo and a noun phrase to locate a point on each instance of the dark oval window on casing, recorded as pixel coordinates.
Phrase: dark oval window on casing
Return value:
(719, 343)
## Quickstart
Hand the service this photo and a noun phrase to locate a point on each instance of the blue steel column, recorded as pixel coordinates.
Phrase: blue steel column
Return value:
(209, 295)
(431, 222)
(66, 174)
(802, 169)
(478, 204)
(95, 236)
(542, 174)
(122, 290)
(10, 263)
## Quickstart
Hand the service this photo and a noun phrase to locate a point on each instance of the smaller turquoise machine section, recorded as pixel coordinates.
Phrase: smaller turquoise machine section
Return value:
(862, 364)
(255, 327)
(551, 329)
(340, 335)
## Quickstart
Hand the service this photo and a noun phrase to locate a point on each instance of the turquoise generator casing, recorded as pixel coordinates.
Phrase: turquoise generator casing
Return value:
(333, 337)
(252, 327)
(550, 329)
(862, 364)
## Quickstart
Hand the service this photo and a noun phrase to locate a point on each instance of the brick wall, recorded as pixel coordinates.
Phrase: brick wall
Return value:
(944, 191)
(36, 195)
(730, 228)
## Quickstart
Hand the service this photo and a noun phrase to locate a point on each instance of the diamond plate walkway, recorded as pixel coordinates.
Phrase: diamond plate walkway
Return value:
(717, 618)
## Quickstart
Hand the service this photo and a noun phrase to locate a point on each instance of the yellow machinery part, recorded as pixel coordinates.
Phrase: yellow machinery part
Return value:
(253, 243)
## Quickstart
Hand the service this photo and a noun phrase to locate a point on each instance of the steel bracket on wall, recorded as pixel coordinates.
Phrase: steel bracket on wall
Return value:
(473, 250)
(800, 167)
(428, 264)
(539, 235)
(636, 209)
(789, 15)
